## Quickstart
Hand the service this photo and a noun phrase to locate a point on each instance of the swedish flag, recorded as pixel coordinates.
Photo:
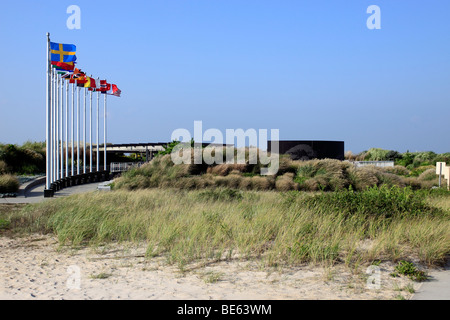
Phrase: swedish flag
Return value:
(63, 52)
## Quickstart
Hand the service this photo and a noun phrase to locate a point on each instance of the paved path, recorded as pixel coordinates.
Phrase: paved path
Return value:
(36, 194)
(437, 288)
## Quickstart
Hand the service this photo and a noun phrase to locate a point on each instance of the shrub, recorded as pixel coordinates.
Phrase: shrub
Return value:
(409, 269)
(362, 178)
(286, 182)
(327, 174)
(3, 167)
(428, 175)
(220, 195)
(8, 183)
(377, 154)
(381, 201)
(225, 169)
(398, 170)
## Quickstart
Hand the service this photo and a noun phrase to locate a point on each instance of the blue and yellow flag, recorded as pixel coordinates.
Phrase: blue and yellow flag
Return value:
(62, 52)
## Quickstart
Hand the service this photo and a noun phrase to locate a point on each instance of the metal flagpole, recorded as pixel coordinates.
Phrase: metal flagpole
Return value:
(72, 158)
(104, 133)
(48, 110)
(67, 128)
(98, 126)
(57, 126)
(53, 127)
(90, 131)
(62, 128)
(78, 130)
(84, 133)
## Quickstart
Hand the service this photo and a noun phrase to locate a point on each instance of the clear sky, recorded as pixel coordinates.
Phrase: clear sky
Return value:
(310, 68)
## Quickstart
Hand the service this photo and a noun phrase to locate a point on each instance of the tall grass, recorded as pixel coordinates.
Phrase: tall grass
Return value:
(8, 183)
(278, 228)
(312, 175)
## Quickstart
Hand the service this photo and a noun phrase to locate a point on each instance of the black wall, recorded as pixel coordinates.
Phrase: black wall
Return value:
(308, 149)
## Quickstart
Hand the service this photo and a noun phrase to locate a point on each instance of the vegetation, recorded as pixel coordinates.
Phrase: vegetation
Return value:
(229, 211)
(410, 160)
(26, 159)
(409, 269)
(9, 183)
(278, 228)
(313, 175)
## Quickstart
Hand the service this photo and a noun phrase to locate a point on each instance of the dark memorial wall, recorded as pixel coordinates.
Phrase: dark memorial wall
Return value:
(309, 149)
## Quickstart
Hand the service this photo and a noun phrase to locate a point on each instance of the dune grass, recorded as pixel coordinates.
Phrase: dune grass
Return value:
(277, 228)
(9, 183)
(312, 175)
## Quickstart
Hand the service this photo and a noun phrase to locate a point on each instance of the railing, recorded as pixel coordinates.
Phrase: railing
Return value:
(124, 166)
(374, 163)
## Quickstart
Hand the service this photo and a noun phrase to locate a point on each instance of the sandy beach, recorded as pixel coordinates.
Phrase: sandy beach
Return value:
(36, 267)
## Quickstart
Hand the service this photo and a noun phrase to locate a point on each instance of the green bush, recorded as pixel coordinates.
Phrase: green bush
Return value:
(381, 201)
(8, 183)
(26, 159)
(409, 269)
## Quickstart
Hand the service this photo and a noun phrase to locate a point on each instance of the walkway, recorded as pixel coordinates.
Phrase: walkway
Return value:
(36, 194)
(437, 288)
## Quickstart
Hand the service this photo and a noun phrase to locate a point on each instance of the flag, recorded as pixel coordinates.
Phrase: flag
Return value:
(104, 86)
(69, 66)
(62, 52)
(90, 83)
(81, 80)
(66, 75)
(76, 73)
(115, 91)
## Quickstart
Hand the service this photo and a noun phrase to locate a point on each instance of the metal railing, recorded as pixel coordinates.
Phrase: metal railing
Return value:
(374, 163)
(124, 166)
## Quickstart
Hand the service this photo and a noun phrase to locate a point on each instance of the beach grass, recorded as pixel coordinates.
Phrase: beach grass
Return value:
(277, 228)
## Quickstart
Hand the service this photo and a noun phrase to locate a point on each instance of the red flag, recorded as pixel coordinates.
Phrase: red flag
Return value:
(116, 91)
(81, 80)
(76, 74)
(92, 85)
(104, 86)
(68, 66)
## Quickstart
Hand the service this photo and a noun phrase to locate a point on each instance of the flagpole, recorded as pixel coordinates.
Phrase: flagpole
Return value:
(72, 142)
(104, 134)
(98, 126)
(53, 126)
(90, 131)
(84, 133)
(57, 127)
(78, 130)
(67, 129)
(62, 128)
(48, 111)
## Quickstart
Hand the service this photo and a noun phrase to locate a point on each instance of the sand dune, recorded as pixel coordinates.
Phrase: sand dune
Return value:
(35, 267)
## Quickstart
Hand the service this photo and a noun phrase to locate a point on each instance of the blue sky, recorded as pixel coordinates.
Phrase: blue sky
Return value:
(310, 68)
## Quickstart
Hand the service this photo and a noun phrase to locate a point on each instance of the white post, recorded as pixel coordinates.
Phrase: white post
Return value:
(90, 131)
(67, 128)
(53, 127)
(78, 130)
(48, 111)
(104, 133)
(84, 133)
(72, 162)
(98, 126)
(57, 126)
(62, 129)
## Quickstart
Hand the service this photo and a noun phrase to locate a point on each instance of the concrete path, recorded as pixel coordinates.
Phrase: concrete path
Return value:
(35, 194)
(437, 288)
